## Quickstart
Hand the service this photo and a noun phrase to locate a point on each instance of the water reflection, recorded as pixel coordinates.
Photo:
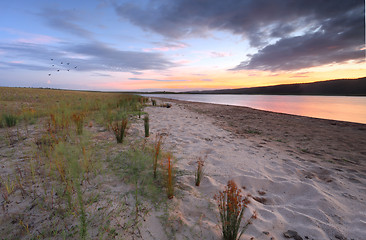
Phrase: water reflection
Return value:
(352, 109)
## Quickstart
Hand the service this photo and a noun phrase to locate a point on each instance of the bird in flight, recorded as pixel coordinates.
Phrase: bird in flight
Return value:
(58, 70)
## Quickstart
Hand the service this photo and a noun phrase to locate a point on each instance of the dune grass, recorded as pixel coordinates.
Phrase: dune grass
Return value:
(231, 206)
(59, 158)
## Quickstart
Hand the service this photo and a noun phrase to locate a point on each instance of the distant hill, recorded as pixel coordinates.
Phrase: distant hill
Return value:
(339, 87)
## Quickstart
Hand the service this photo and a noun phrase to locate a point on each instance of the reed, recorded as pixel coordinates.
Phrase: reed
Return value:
(146, 125)
(157, 146)
(120, 129)
(78, 119)
(199, 171)
(231, 206)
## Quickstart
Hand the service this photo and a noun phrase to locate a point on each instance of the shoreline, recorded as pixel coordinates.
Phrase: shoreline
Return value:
(323, 112)
(310, 135)
(300, 174)
(312, 182)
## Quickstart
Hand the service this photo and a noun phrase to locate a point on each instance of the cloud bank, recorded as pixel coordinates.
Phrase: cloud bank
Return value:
(289, 35)
(87, 57)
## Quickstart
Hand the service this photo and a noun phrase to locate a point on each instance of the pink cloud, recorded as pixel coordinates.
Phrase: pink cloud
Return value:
(220, 54)
(37, 39)
(25, 37)
(164, 47)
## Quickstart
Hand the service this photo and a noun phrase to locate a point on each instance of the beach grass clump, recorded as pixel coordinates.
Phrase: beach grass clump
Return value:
(10, 119)
(146, 125)
(157, 146)
(78, 119)
(119, 129)
(199, 171)
(231, 206)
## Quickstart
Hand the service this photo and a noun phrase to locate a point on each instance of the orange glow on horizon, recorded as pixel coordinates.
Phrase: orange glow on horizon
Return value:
(223, 79)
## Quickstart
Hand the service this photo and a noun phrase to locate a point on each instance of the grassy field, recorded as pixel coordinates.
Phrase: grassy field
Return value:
(71, 168)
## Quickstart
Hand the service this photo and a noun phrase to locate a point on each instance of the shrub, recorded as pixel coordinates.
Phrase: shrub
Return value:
(120, 129)
(146, 125)
(231, 206)
(10, 120)
(199, 171)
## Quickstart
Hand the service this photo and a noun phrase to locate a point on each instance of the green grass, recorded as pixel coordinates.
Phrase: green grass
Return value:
(54, 175)
(146, 125)
(10, 120)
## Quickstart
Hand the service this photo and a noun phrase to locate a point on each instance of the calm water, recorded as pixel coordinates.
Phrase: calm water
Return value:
(352, 109)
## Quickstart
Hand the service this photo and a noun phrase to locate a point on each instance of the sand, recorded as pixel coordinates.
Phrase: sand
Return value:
(304, 174)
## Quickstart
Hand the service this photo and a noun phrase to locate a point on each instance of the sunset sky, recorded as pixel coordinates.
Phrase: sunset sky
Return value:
(179, 45)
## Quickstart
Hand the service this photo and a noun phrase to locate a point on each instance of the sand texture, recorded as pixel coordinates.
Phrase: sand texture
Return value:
(304, 174)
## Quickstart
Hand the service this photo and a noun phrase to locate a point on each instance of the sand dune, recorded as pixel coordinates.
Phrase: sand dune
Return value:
(291, 188)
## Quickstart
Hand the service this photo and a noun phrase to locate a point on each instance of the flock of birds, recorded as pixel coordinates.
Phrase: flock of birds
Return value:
(66, 64)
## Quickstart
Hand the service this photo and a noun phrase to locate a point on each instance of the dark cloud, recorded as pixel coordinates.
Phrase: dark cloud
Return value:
(88, 57)
(337, 40)
(103, 57)
(64, 20)
(310, 32)
(101, 75)
(20, 65)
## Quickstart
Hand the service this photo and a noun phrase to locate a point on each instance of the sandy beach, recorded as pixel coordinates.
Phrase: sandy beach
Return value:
(301, 174)
(304, 174)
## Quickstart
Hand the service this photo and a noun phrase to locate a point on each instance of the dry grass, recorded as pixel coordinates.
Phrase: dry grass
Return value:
(231, 206)
(157, 146)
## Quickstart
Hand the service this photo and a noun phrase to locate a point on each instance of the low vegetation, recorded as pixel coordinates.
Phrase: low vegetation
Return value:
(64, 177)
(146, 126)
(57, 136)
(199, 171)
(231, 206)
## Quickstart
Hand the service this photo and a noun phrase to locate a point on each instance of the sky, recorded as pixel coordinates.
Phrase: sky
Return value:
(179, 45)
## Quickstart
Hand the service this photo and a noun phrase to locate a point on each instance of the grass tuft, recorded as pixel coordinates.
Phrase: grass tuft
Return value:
(199, 171)
(78, 119)
(157, 145)
(120, 129)
(231, 206)
(146, 125)
(10, 120)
